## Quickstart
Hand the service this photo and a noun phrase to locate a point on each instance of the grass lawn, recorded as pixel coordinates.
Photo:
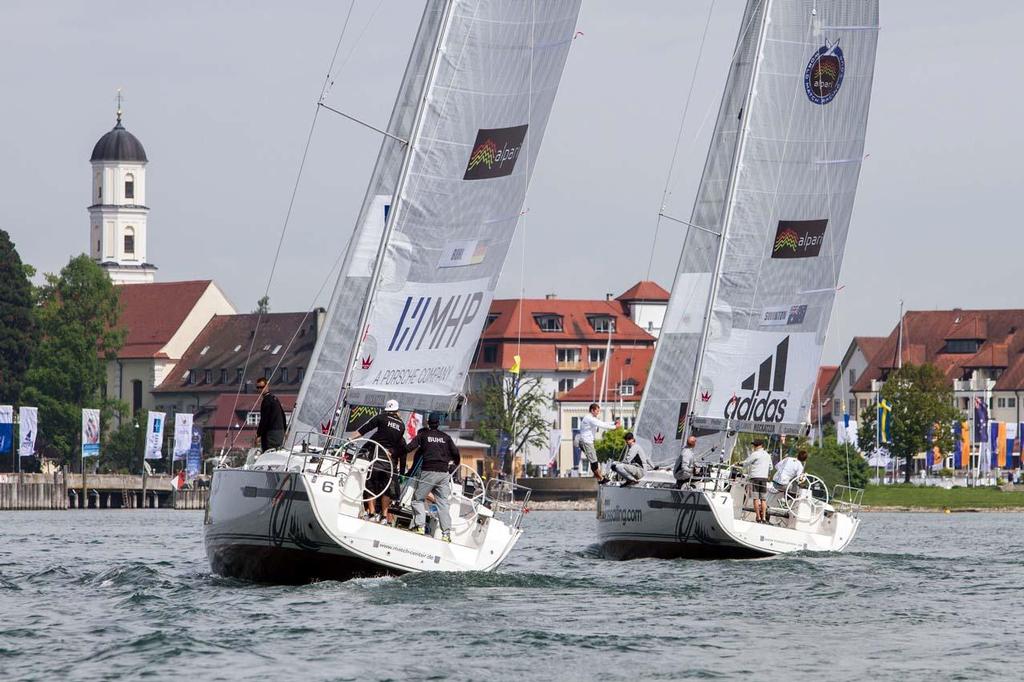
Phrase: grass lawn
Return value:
(939, 498)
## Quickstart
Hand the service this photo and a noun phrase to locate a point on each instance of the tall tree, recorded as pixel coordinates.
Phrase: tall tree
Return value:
(76, 321)
(518, 410)
(15, 322)
(263, 305)
(921, 398)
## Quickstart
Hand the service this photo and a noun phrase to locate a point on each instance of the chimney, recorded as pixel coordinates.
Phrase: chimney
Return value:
(548, 297)
(609, 297)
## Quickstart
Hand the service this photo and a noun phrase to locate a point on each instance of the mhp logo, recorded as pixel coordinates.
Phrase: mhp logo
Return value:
(433, 322)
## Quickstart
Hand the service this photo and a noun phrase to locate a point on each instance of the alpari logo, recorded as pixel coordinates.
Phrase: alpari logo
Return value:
(494, 152)
(799, 238)
(760, 405)
(824, 73)
(705, 396)
(367, 362)
(431, 322)
(659, 439)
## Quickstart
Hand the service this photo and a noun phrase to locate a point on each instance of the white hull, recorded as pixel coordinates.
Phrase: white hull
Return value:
(292, 526)
(640, 521)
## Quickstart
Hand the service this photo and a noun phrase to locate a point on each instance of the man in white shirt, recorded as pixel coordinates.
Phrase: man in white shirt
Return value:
(585, 440)
(758, 464)
(788, 469)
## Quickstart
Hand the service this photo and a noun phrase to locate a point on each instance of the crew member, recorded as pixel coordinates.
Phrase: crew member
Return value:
(585, 440)
(634, 462)
(682, 470)
(758, 464)
(270, 431)
(387, 429)
(437, 454)
(788, 469)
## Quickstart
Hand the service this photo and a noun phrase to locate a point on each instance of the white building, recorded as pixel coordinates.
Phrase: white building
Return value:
(118, 211)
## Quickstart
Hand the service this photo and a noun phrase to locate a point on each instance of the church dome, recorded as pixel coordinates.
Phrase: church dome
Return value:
(118, 145)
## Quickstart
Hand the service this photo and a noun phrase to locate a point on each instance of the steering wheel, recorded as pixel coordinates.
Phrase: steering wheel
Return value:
(477, 481)
(355, 449)
(808, 494)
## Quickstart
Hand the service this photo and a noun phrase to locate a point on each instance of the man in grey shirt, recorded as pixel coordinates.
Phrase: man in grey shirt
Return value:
(634, 463)
(682, 470)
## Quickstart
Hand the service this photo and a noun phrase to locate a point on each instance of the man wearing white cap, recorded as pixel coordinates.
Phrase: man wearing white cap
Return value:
(387, 429)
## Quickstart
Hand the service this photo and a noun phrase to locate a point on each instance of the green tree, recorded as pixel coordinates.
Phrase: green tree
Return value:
(15, 322)
(921, 398)
(611, 444)
(122, 451)
(837, 464)
(518, 413)
(263, 305)
(76, 322)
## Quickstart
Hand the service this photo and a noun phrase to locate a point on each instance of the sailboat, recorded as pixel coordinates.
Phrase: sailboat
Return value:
(410, 302)
(753, 292)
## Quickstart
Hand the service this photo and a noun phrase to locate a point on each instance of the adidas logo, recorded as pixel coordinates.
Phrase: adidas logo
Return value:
(760, 405)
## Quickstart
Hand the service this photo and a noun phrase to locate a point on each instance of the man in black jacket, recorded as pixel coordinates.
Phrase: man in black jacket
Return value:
(272, 422)
(388, 429)
(437, 454)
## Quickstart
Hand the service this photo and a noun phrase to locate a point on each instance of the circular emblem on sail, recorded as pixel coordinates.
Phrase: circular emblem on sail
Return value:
(824, 73)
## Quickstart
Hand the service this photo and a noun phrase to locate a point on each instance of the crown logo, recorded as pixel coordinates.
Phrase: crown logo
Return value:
(659, 439)
(705, 396)
(367, 361)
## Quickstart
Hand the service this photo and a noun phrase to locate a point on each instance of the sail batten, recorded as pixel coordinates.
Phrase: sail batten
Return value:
(744, 330)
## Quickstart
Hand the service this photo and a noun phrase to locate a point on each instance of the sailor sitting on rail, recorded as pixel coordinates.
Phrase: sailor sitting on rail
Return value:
(634, 462)
(788, 468)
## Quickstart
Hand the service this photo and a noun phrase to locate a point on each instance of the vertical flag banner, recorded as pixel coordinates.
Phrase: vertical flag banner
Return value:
(413, 426)
(28, 425)
(980, 420)
(182, 435)
(6, 429)
(155, 435)
(1000, 447)
(1011, 442)
(554, 447)
(195, 452)
(964, 442)
(90, 432)
(884, 424)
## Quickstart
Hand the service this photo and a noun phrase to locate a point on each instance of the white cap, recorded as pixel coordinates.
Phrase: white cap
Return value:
(391, 406)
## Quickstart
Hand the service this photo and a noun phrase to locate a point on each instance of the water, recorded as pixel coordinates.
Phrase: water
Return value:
(91, 595)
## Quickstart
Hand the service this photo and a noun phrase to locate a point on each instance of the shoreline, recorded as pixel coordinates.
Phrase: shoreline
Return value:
(591, 506)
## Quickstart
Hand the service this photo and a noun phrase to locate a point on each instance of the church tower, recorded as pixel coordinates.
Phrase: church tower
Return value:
(117, 214)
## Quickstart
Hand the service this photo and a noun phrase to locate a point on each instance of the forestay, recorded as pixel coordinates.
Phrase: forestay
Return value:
(485, 74)
(779, 184)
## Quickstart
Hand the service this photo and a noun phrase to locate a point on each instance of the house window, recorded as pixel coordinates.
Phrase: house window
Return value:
(566, 385)
(567, 356)
(490, 321)
(268, 372)
(576, 422)
(602, 323)
(136, 395)
(852, 374)
(207, 376)
(965, 403)
(549, 323)
(284, 375)
(238, 375)
(129, 241)
(129, 186)
(490, 353)
(1000, 402)
(837, 406)
(627, 389)
(252, 419)
(598, 354)
(862, 404)
(190, 378)
(223, 376)
(1011, 402)
(961, 346)
(300, 374)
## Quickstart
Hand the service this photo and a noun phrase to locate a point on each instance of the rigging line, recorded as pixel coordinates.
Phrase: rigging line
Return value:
(679, 136)
(333, 73)
(689, 224)
(522, 259)
(291, 203)
(363, 123)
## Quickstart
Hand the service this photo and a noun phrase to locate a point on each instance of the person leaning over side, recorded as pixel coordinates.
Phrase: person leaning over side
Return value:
(270, 431)
(635, 462)
(758, 464)
(588, 433)
(789, 468)
(388, 429)
(437, 453)
(682, 470)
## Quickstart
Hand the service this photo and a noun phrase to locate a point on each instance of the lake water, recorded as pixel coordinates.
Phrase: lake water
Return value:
(102, 594)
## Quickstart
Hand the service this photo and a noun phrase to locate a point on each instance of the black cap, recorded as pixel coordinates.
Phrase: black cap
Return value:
(433, 419)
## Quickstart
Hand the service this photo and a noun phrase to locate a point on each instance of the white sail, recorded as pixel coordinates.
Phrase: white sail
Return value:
(778, 185)
(473, 105)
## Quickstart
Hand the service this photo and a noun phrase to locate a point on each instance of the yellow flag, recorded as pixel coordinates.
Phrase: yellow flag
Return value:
(515, 365)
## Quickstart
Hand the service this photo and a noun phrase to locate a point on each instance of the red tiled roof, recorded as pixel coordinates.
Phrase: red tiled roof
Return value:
(627, 365)
(575, 325)
(645, 290)
(925, 335)
(153, 313)
(869, 345)
(224, 345)
(823, 402)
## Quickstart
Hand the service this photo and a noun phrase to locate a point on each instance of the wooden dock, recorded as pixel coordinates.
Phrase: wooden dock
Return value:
(101, 491)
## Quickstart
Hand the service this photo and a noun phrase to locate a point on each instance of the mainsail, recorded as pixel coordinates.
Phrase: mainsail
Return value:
(768, 227)
(440, 212)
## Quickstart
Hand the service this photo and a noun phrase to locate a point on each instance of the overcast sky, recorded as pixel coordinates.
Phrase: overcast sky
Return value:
(221, 94)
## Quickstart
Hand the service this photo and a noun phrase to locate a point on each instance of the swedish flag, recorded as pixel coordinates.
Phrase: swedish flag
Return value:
(884, 423)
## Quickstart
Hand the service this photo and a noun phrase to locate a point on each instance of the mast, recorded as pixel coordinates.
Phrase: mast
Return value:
(397, 204)
(730, 206)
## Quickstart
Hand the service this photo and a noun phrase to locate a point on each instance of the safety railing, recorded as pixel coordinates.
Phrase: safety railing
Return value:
(507, 501)
(847, 500)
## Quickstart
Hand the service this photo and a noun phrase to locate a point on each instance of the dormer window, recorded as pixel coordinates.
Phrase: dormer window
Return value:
(602, 324)
(129, 186)
(490, 321)
(962, 345)
(207, 376)
(549, 322)
(597, 355)
(626, 390)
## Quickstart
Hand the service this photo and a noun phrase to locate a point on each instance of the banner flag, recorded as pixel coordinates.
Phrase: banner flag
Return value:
(962, 445)
(1011, 442)
(182, 435)
(980, 420)
(884, 424)
(514, 369)
(1001, 444)
(6, 429)
(90, 432)
(155, 435)
(195, 452)
(554, 447)
(28, 425)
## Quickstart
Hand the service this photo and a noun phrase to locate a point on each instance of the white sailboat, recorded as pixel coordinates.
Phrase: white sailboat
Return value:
(750, 306)
(408, 308)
